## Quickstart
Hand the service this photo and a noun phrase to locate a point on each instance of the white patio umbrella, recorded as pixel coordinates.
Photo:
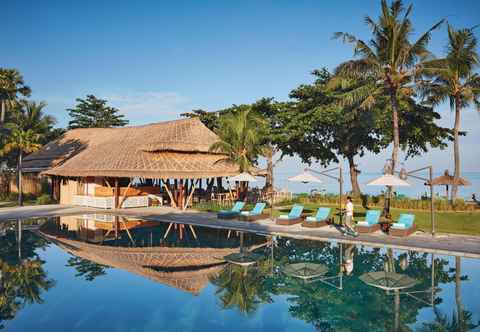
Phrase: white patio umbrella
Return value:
(243, 177)
(388, 180)
(305, 177)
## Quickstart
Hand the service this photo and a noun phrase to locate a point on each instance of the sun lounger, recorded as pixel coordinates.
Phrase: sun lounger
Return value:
(370, 224)
(254, 214)
(233, 212)
(319, 220)
(294, 217)
(404, 226)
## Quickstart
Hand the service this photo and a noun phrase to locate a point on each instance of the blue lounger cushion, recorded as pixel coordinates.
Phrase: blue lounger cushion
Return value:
(256, 211)
(295, 212)
(237, 207)
(372, 217)
(322, 214)
(405, 221)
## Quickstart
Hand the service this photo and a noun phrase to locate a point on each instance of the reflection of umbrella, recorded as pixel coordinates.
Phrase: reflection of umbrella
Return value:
(243, 259)
(388, 180)
(305, 177)
(243, 177)
(305, 270)
(388, 280)
(449, 180)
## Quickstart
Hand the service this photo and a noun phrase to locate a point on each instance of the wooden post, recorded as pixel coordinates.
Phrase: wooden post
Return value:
(189, 197)
(116, 193)
(173, 203)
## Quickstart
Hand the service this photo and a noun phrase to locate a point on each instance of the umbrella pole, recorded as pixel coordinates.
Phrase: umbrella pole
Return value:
(432, 216)
(340, 180)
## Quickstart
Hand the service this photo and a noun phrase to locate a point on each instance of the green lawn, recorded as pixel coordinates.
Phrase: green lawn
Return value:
(467, 223)
(446, 221)
(5, 204)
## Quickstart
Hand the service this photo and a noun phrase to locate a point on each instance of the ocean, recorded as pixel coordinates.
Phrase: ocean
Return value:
(416, 188)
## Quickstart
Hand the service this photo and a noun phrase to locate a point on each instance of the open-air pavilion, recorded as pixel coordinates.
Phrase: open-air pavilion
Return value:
(134, 166)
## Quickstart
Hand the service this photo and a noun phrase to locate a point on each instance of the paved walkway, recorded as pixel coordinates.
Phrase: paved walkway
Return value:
(459, 245)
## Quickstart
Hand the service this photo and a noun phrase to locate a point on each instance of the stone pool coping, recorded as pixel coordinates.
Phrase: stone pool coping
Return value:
(442, 244)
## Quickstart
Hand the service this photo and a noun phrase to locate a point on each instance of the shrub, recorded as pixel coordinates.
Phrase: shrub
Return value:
(44, 199)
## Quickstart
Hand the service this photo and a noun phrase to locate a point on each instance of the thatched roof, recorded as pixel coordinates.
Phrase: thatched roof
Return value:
(174, 149)
(448, 180)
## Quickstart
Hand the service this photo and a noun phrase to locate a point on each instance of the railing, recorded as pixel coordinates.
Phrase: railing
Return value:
(108, 202)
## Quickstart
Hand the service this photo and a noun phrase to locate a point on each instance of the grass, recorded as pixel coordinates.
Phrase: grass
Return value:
(451, 222)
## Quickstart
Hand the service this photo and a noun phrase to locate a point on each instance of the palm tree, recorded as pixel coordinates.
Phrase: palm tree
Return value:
(241, 138)
(11, 84)
(26, 133)
(454, 79)
(388, 62)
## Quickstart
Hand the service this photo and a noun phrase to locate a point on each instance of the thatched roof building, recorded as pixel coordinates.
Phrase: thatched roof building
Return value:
(176, 149)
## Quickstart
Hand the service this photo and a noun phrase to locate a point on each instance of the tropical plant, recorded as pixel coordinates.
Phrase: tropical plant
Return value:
(11, 86)
(388, 62)
(454, 79)
(93, 112)
(241, 135)
(26, 134)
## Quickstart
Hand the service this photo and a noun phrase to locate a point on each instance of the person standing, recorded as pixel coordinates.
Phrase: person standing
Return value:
(349, 216)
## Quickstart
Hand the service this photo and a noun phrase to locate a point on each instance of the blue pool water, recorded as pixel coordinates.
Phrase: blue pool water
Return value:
(86, 274)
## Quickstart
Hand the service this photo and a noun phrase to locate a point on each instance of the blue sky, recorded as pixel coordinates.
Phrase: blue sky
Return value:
(157, 59)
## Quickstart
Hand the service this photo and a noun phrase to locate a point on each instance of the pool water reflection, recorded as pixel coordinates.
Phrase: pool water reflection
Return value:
(101, 273)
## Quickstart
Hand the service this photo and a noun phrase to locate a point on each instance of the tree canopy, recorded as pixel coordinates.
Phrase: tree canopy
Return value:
(93, 112)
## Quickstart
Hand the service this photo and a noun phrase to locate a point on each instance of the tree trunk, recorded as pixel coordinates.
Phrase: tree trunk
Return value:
(353, 176)
(396, 135)
(20, 180)
(2, 116)
(396, 147)
(269, 177)
(456, 149)
(458, 293)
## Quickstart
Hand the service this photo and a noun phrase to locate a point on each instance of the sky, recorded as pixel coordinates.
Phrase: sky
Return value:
(156, 59)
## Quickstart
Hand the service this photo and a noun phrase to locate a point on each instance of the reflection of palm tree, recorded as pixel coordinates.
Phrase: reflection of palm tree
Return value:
(243, 288)
(21, 284)
(443, 324)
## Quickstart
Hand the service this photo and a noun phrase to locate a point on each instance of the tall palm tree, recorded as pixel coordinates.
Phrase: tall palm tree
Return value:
(454, 79)
(241, 138)
(11, 84)
(26, 134)
(388, 62)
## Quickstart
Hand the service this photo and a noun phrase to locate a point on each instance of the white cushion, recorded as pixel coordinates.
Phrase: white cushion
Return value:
(283, 216)
(310, 218)
(363, 223)
(399, 226)
(245, 213)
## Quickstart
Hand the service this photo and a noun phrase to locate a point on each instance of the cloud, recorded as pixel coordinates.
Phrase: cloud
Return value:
(150, 106)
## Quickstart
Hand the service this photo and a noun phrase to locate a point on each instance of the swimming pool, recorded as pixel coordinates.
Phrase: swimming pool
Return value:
(98, 273)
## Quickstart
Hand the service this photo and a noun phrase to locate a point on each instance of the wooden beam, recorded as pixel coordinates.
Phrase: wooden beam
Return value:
(189, 197)
(116, 193)
(108, 183)
(124, 197)
(174, 204)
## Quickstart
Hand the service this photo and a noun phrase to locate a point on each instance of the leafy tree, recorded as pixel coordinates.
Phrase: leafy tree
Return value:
(209, 119)
(94, 113)
(87, 269)
(11, 86)
(454, 79)
(26, 133)
(328, 130)
(387, 64)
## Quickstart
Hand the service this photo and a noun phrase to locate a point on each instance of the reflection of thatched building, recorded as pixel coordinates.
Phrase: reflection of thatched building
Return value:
(188, 269)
